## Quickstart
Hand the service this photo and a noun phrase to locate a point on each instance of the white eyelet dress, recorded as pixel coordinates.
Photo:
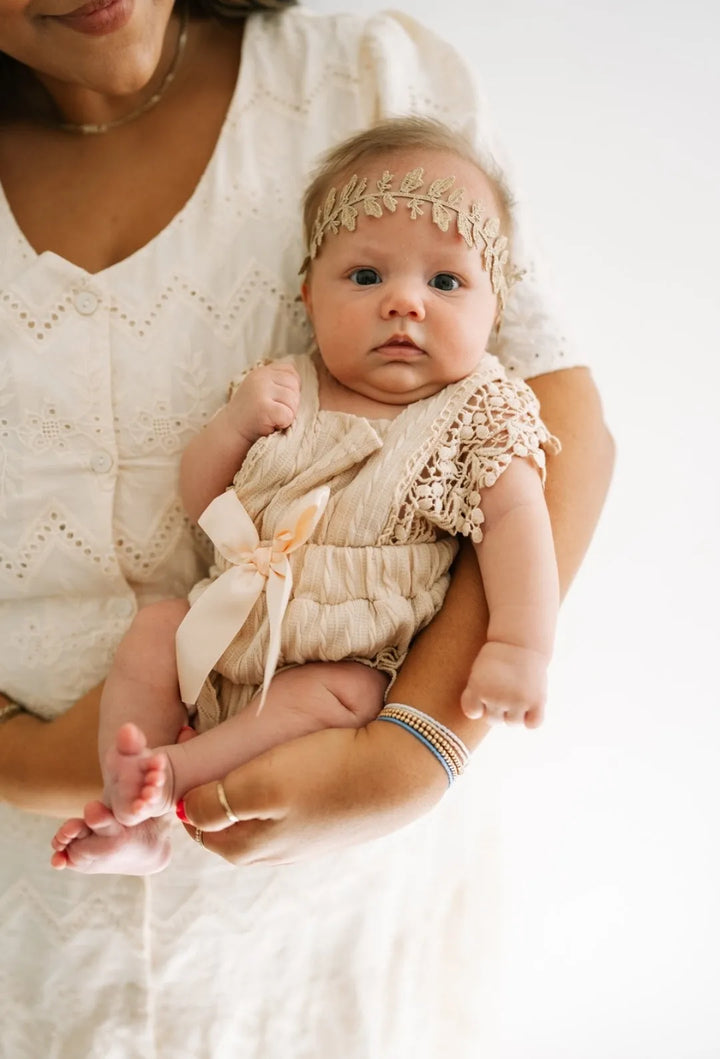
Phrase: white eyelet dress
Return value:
(385, 951)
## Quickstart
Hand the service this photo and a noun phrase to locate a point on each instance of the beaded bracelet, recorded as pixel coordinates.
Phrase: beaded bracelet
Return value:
(442, 743)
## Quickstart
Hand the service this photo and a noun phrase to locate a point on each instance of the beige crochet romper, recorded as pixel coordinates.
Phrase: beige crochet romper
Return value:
(376, 568)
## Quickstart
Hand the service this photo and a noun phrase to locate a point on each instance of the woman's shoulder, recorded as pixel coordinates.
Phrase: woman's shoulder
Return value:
(388, 50)
(343, 26)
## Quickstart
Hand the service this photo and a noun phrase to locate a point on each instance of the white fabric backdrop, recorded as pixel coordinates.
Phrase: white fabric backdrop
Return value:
(611, 865)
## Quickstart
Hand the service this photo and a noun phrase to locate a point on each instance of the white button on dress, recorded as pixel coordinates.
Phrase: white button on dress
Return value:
(86, 302)
(101, 461)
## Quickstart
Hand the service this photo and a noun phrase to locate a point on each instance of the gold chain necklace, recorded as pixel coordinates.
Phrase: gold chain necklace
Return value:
(94, 130)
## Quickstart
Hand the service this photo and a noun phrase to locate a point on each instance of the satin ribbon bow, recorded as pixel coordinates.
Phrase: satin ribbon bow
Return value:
(220, 612)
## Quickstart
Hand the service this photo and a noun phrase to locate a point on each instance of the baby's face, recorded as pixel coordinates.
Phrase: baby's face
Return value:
(399, 307)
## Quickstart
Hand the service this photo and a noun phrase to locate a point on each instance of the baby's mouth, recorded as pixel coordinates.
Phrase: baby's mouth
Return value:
(400, 344)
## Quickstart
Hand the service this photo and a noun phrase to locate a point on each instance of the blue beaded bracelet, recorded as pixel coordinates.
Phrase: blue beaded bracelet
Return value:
(442, 743)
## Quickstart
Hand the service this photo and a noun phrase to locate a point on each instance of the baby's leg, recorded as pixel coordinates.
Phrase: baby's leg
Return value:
(141, 708)
(301, 700)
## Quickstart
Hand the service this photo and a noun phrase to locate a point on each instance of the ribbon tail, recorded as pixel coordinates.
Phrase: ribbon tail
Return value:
(211, 624)
(277, 594)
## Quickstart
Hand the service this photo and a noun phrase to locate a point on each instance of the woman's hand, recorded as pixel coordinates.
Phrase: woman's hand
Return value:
(317, 794)
(51, 767)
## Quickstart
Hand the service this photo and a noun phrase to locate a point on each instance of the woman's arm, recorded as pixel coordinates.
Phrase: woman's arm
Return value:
(578, 477)
(339, 787)
(52, 767)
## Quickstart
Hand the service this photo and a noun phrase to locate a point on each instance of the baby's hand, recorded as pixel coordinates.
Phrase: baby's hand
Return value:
(507, 683)
(266, 400)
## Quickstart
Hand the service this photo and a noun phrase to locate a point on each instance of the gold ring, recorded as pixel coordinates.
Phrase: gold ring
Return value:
(199, 837)
(222, 798)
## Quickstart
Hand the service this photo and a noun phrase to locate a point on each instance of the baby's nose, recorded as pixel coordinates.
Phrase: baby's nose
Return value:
(405, 299)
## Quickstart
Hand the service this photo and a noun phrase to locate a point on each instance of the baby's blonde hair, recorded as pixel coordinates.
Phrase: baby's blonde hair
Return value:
(393, 136)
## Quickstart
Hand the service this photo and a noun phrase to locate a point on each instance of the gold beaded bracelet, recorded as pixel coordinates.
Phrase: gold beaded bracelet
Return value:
(447, 747)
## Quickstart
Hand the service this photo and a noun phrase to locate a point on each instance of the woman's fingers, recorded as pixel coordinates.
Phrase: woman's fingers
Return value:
(274, 798)
(316, 794)
(243, 843)
(247, 796)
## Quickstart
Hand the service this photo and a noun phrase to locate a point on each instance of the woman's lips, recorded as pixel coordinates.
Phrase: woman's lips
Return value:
(98, 17)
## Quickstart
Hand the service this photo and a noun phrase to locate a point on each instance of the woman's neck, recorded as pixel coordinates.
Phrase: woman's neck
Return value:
(127, 95)
(95, 222)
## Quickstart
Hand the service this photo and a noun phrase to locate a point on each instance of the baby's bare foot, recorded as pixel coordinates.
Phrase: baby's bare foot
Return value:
(99, 844)
(138, 781)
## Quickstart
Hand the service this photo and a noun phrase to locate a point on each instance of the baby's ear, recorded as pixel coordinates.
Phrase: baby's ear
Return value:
(306, 298)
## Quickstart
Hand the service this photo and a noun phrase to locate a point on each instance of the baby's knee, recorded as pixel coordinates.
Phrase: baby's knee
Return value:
(360, 689)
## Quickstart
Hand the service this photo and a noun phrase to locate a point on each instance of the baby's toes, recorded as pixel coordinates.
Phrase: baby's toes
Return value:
(68, 832)
(130, 740)
(63, 839)
(149, 792)
(155, 771)
(59, 859)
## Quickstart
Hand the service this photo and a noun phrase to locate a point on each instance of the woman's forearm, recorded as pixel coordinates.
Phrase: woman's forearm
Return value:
(436, 670)
(578, 477)
(51, 767)
(437, 667)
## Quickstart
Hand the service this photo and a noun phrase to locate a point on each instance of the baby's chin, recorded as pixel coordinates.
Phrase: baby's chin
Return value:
(400, 384)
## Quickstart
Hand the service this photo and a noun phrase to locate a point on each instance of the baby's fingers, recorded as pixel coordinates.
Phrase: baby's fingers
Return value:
(285, 379)
(493, 711)
(283, 411)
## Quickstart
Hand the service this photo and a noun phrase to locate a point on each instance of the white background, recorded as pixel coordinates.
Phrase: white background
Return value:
(611, 929)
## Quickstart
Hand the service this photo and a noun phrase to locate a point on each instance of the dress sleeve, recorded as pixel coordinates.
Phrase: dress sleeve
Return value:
(409, 69)
(499, 421)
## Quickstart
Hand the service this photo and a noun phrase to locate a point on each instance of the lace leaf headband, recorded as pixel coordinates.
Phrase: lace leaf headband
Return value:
(478, 231)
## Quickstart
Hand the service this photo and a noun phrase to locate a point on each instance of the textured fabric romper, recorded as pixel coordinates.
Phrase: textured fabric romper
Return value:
(376, 568)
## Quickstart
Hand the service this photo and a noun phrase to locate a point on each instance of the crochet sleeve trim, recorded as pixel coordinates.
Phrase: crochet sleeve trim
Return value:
(499, 420)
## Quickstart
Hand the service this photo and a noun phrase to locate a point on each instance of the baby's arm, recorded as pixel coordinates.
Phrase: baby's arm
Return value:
(517, 561)
(266, 400)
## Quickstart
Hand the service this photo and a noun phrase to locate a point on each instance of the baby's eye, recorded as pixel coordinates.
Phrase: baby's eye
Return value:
(365, 277)
(444, 281)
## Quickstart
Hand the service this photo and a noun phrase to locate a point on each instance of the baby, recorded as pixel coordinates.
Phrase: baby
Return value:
(353, 470)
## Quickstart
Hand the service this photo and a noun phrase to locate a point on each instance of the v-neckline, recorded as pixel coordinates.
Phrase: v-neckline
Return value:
(29, 252)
